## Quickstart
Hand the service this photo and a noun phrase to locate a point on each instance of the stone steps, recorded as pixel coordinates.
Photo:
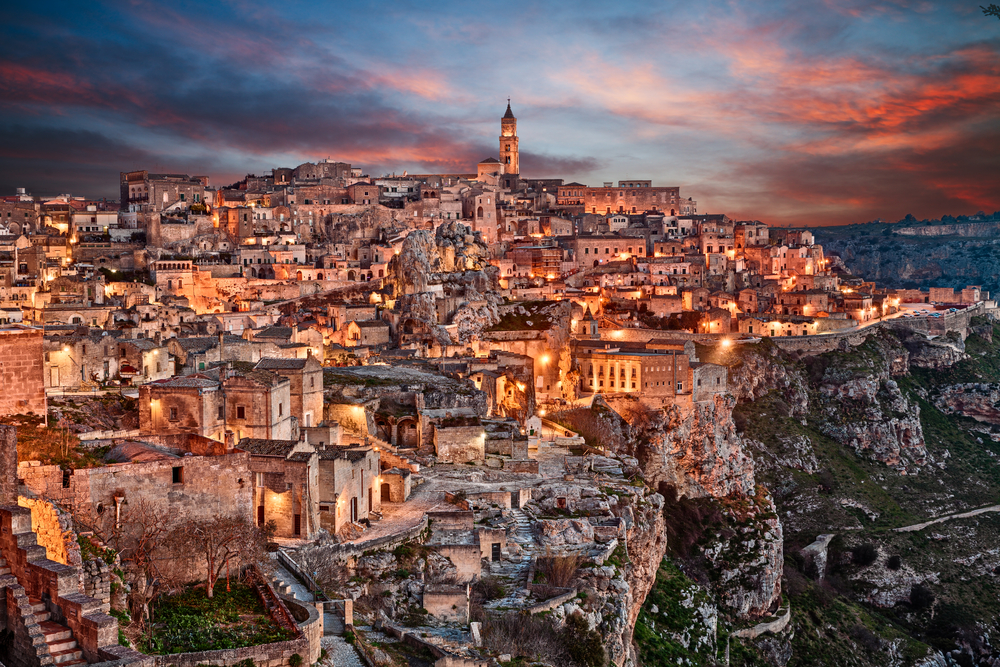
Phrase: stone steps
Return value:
(62, 646)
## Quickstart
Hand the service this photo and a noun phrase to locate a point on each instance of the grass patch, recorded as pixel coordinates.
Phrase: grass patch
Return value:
(189, 621)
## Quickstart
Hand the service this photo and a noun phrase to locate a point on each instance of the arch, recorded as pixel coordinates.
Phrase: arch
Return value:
(479, 212)
(381, 273)
(351, 275)
(298, 275)
(369, 275)
(319, 276)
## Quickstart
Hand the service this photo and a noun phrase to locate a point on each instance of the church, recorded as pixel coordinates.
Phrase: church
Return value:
(507, 167)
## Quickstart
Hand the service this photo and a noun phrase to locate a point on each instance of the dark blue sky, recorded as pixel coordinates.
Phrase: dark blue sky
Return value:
(790, 112)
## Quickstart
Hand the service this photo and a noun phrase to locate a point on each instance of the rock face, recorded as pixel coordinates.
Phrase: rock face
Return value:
(698, 452)
(976, 400)
(761, 370)
(564, 532)
(615, 593)
(871, 415)
(445, 277)
(749, 562)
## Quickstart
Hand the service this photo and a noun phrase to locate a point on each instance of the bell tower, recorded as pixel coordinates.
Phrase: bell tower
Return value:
(508, 143)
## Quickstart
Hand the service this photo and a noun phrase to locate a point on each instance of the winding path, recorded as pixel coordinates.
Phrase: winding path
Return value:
(962, 515)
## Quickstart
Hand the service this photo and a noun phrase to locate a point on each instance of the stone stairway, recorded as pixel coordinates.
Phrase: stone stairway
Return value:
(62, 646)
(516, 570)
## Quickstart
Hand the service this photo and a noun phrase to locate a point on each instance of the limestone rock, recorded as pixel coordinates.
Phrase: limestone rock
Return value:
(564, 532)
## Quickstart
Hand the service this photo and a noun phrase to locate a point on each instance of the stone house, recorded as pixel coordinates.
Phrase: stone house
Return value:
(306, 386)
(349, 489)
(251, 403)
(22, 371)
(368, 333)
(147, 360)
(285, 486)
(459, 439)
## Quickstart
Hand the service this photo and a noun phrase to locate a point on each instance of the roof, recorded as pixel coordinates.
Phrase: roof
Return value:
(198, 380)
(490, 160)
(262, 447)
(368, 324)
(275, 332)
(269, 363)
(509, 113)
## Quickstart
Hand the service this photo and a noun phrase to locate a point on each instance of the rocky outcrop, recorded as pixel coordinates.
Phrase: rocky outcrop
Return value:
(763, 368)
(871, 415)
(940, 352)
(564, 532)
(748, 561)
(981, 401)
(615, 593)
(697, 451)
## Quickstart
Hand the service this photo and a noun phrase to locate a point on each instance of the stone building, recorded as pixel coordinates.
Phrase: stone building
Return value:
(367, 333)
(349, 485)
(22, 371)
(253, 403)
(285, 485)
(658, 369)
(305, 389)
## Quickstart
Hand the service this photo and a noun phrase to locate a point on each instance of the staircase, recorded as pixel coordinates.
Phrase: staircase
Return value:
(516, 571)
(62, 647)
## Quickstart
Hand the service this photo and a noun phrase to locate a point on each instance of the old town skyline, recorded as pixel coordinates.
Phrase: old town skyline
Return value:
(843, 113)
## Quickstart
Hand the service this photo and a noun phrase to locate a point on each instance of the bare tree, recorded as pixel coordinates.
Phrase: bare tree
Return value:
(991, 10)
(224, 542)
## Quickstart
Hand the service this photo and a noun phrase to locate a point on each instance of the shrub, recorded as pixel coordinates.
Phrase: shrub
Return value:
(864, 555)
(522, 634)
(585, 646)
(559, 571)
(894, 563)
(488, 588)
(295, 660)
(865, 638)
(921, 597)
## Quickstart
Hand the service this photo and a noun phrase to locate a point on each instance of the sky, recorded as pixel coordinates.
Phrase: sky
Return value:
(794, 113)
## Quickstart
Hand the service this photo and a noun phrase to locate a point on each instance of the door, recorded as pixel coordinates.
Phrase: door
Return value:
(55, 376)
(385, 493)
(496, 552)
(354, 509)
(298, 524)
(260, 515)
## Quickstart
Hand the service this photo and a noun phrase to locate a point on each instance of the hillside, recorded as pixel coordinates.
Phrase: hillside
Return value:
(863, 447)
(914, 256)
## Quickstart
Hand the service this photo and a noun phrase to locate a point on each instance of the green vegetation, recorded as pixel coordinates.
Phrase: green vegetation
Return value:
(671, 628)
(189, 621)
(51, 445)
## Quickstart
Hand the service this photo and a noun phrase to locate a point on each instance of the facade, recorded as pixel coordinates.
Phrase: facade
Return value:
(22, 371)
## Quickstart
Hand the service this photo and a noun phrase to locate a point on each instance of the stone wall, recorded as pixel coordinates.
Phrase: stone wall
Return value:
(467, 560)
(53, 529)
(22, 370)
(448, 603)
(56, 584)
(459, 444)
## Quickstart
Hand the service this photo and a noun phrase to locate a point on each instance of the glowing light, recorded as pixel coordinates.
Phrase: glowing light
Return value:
(541, 413)
(545, 358)
(726, 342)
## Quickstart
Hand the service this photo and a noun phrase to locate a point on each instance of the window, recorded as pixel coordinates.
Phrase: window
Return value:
(680, 386)
(178, 474)
(241, 412)
(280, 409)
(222, 412)
(173, 414)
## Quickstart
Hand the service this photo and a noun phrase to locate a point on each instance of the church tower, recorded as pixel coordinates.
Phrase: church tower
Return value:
(508, 143)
